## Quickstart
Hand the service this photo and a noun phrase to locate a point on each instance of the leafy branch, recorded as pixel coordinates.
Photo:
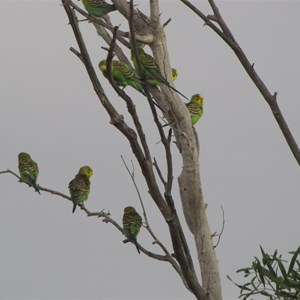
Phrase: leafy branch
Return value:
(271, 277)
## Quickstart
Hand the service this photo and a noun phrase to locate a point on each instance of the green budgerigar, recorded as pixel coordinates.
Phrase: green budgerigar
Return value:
(29, 170)
(98, 8)
(151, 69)
(142, 45)
(80, 186)
(195, 107)
(174, 74)
(123, 75)
(132, 223)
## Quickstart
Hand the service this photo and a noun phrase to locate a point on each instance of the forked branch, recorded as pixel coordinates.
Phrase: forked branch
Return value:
(270, 98)
(139, 145)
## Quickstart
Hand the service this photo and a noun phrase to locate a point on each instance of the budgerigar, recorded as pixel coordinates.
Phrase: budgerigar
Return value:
(174, 74)
(98, 8)
(142, 45)
(29, 170)
(122, 74)
(151, 69)
(195, 107)
(80, 186)
(132, 223)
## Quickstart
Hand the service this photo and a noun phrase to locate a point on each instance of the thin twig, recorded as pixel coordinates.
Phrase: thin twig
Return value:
(167, 22)
(77, 53)
(156, 240)
(117, 49)
(131, 174)
(218, 18)
(11, 172)
(159, 172)
(222, 229)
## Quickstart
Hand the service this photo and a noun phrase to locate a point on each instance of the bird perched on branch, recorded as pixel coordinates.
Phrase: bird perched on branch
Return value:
(29, 170)
(195, 107)
(98, 8)
(174, 74)
(151, 69)
(80, 186)
(122, 74)
(132, 223)
(142, 45)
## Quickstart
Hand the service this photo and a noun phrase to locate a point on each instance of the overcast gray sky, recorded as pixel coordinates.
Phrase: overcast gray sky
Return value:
(49, 109)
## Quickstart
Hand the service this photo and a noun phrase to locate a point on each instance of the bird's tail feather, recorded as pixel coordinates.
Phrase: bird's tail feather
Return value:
(168, 85)
(169, 124)
(36, 187)
(165, 81)
(141, 90)
(74, 207)
(136, 245)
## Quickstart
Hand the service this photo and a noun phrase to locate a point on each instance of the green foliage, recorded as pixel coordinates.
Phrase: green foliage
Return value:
(272, 277)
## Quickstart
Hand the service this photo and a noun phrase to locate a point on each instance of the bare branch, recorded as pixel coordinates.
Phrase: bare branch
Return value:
(13, 173)
(159, 172)
(105, 218)
(108, 39)
(167, 143)
(139, 19)
(8, 171)
(222, 229)
(78, 54)
(167, 22)
(218, 18)
(270, 98)
(131, 174)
